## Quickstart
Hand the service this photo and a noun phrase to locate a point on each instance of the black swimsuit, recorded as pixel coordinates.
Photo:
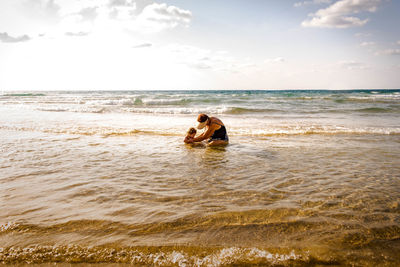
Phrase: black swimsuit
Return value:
(219, 134)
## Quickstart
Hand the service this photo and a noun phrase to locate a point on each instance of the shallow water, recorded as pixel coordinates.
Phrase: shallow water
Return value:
(121, 187)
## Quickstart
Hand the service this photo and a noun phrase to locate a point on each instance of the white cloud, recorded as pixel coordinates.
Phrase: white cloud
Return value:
(75, 17)
(6, 38)
(367, 44)
(312, 2)
(42, 8)
(77, 34)
(72, 25)
(123, 14)
(114, 3)
(144, 45)
(339, 14)
(203, 59)
(398, 42)
(88, 13)
(352, 65)
(122, 9)
(362, 35)
(194, 57)
(393, 52)
(275, 60)
(157, 17)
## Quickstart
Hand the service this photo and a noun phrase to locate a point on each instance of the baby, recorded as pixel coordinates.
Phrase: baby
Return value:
(190, 134)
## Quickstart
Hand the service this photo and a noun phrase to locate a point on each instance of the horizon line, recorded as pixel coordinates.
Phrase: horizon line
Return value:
(153, 90)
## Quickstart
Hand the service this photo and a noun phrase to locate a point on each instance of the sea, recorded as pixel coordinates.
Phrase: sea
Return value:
(309, 178)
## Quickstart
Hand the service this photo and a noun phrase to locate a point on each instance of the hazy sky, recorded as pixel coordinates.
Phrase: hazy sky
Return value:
(199, 44)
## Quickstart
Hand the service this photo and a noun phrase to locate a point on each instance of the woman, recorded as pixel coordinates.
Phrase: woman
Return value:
(215, 131)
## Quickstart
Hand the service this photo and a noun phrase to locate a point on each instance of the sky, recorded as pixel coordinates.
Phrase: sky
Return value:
(199, 44)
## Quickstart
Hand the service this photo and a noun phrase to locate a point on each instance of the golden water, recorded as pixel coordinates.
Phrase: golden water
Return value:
(326, 199)
(309, 178)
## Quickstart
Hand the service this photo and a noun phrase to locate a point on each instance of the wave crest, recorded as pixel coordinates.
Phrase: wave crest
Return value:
(245, 132)
(159, 256)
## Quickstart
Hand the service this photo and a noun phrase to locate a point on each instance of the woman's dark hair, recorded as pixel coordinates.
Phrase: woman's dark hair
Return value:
(202, 117)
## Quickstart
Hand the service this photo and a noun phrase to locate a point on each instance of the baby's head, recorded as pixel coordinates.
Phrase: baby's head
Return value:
(192, 132)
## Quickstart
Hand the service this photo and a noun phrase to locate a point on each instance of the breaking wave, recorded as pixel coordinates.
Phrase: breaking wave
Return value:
(158, 256)
(353, 237)
(253, 132)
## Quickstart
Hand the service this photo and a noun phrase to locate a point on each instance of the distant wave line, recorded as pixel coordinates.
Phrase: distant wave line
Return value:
(110, 132)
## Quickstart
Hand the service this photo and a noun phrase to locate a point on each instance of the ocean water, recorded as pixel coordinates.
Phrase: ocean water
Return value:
(309, 178)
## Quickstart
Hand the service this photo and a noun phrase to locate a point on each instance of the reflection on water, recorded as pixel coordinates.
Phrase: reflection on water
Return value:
(304, 199)
(213, 158)
(309, 178)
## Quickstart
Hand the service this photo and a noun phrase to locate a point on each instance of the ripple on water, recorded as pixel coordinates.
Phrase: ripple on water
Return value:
(295, 237)
(329, 199)
(159, 256)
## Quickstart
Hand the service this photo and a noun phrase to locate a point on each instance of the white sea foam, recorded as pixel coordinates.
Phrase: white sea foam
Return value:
(130, 174)
(161, 102)
(8, 226)
(236, 102)
(158, 128)
(113, 102)
(72, 253)
(304, 130)
(170, 113)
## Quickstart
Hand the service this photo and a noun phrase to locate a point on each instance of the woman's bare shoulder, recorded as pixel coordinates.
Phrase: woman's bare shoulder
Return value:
(216, 120)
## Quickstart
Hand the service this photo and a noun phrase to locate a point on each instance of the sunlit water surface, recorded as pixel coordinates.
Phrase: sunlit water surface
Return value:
(121, 187)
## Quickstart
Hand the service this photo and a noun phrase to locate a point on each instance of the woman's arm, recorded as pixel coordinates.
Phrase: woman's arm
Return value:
(207, 134)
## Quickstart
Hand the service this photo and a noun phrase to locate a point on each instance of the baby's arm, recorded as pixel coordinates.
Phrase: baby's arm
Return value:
(188, 140)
